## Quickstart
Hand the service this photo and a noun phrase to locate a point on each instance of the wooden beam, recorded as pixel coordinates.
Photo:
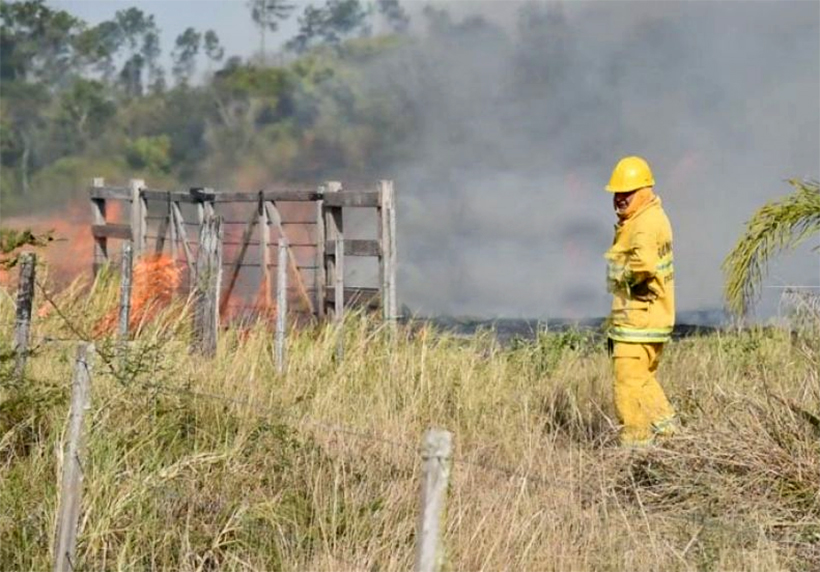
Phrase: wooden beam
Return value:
(356, 247)
(237, 264)
(109, 193)
(121, 231)
(98, 218)
(267, 195)
(138, 214)
(320, 282)
(264, 251)
(22, 319)
(355, 296)
(353, 199)
(183, 235)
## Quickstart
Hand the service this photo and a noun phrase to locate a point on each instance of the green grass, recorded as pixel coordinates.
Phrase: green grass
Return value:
(266, 479)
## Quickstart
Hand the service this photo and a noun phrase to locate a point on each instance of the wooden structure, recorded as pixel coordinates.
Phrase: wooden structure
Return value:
(311, 221)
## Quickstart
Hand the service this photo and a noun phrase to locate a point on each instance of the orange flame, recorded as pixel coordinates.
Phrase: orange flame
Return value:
(156, 279)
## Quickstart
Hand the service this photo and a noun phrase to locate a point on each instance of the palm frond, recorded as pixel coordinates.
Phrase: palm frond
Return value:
(778, 225)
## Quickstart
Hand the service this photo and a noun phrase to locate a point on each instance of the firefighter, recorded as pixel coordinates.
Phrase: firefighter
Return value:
(641, 279)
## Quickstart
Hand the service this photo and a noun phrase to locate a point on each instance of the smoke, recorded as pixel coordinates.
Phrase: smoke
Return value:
(522, 109)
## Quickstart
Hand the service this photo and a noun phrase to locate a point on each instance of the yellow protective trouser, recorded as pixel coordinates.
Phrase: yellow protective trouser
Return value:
(640, 402)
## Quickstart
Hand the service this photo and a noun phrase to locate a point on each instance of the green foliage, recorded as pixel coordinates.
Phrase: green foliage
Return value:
(152, 154)
(778, 225)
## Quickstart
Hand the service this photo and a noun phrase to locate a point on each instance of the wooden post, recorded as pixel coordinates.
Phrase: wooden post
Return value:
(139, 210)
(321, 271)
(281, 303)
(173, 232)
(22, 320)
(387, 259)
(125, 294)
(98, 216)
(186, 247)
(71, 489)
(334, 230)
(207, 286)
(264, 251)
(436, 452)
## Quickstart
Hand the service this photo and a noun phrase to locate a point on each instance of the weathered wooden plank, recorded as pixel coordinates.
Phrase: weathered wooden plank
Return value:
(356, 247)
(71, 490)
(22, 320)
(267, 195)
(281, 304)
(264, 251)
(320, 283)
(138, 213)
(165, 196)
(98, 217)
(355, 296)
(207, 286)
(183, 235)
(353, 199)
(112, 193)
(111, 230)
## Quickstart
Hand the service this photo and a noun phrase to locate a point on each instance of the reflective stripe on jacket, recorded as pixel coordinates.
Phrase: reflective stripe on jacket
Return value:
(641, 277)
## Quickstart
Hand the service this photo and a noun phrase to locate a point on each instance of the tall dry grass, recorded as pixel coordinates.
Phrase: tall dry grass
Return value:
(206, 465)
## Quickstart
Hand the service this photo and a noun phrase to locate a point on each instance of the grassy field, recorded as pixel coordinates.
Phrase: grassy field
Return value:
(206, 465)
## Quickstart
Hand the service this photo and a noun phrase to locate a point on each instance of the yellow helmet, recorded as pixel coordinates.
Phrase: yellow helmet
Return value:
(629, 174)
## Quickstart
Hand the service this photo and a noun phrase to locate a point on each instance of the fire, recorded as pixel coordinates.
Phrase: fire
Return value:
(156, 279)
(72, 251)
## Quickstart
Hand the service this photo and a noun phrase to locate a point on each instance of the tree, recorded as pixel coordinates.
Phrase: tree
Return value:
(23, 111)
(336, 21)
(779, 225)
(266, 14)
(85, 108)
(36, 42)
(395, 15)
(184, 55)
(213, 49)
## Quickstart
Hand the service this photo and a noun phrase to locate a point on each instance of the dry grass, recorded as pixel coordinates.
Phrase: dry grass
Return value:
(269, 481)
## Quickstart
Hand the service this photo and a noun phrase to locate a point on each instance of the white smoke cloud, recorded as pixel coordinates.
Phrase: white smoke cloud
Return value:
(502, 208)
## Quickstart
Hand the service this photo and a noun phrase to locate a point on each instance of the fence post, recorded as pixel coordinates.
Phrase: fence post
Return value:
(436, 453)
(139, 211)
(98, 216)
(387, 238)
(321, 258)
(22, 321)
(334, 228)
(281, 303)
(207, 286)
(71, 489)
(125, 295)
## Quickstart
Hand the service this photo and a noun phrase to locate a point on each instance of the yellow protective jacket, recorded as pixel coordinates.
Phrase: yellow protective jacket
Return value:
(641, 277)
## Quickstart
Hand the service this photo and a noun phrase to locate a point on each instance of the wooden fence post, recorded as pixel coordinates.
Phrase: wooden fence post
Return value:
(387, 260)
(139, 210)
(334, 229)
(98, 218)
(436, 453)
(281, 303)
(207, 286)
(22, 320)
(71, 489)
(321, 241)
(125, 296)
(264, 251)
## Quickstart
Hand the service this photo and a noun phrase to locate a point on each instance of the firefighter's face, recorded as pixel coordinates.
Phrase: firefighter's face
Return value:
(621, 200)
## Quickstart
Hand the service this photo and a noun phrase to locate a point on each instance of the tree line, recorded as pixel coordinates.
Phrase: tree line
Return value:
(78, 98)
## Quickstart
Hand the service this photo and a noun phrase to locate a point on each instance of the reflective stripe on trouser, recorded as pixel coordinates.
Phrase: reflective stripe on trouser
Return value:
(640, 402)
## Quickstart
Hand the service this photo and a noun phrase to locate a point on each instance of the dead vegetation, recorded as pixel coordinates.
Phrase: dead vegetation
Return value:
(206, 465)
